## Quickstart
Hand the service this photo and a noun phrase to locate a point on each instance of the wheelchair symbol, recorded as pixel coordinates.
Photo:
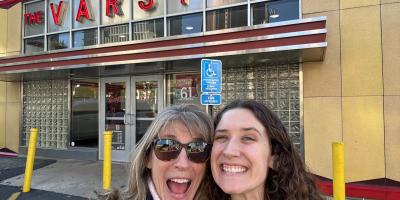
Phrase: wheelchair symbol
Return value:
(210, 71)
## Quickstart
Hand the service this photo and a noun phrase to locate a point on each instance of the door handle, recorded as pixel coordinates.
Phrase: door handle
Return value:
(125, 118)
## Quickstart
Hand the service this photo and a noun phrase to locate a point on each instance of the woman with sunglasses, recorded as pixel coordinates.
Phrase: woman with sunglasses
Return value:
(169, 162)
(253, 157)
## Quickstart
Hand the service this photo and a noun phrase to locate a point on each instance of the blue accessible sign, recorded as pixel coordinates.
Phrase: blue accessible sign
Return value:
(210, 99)
(211, 76)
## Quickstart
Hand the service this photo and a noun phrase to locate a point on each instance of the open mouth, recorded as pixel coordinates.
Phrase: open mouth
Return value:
(233, 169)
(178, 185)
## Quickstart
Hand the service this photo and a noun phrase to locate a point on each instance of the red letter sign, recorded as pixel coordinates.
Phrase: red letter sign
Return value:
(145, 6)
(185, 2)
(115, 6)
(83, 11)
(33, 18)
(60, 12)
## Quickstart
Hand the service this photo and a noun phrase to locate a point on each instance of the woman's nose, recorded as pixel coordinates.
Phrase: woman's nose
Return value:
(182, 161)
(232, 148)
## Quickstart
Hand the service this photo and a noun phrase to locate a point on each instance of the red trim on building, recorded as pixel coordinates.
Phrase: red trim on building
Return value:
(363, 191)
(173, 47)
(6, 4)
(307, 39)
(175, 42)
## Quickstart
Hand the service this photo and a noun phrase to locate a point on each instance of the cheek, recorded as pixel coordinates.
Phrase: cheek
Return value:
(264, 153)
(200, 170)
(158, 170)
(215, 152)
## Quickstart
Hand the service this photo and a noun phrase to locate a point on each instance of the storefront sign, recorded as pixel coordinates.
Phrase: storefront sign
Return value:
(33, 18)
(113, 7)
(58, 12)
(83, 11)
(185, 2)
(146, 6)
(187, 87)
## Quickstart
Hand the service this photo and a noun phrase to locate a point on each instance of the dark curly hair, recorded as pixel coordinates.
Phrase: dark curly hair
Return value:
(288, 179)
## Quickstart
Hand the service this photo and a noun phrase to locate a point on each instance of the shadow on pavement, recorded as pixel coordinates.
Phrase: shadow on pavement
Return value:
(14, 166)
(6, 191)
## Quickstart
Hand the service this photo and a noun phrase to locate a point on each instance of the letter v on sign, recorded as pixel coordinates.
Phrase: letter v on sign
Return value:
(58, 16)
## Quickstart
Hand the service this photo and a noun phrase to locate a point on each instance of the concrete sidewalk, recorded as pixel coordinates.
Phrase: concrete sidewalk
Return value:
(73, 178)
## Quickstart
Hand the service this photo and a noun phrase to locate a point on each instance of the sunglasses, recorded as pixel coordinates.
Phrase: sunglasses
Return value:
(167, 149)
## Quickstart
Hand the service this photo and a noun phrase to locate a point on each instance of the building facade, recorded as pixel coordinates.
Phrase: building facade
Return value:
(76, 68)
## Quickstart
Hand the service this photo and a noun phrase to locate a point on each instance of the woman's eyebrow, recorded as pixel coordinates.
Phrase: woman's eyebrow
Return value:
(251, 129)
(221, 130)
(168, 135)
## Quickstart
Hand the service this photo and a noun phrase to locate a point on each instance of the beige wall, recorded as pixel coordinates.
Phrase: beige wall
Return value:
(10, 109)
(391, 81)
(2, 114)
(10, 44)
(354, 94)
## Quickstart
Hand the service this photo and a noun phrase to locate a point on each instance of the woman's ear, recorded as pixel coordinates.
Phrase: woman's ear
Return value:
(271, 161)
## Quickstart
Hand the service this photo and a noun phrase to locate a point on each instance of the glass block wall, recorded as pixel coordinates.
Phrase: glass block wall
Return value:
(275, 86)
(45, 106)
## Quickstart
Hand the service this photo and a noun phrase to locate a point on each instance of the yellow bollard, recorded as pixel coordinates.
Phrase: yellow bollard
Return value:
(107, 160)
(339, 191)
(30, 159)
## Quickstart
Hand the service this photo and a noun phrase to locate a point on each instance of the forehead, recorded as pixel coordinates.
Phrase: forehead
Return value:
(239, 118)
(179, 131)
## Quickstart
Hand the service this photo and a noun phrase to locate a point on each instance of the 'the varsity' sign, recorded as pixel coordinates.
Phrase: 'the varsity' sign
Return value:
(113, 7)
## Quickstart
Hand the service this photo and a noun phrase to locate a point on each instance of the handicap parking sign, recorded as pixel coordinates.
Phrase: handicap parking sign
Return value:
(211, 76)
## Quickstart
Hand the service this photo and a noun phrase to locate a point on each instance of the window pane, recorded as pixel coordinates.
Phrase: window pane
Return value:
(185, 24)
(275, 11)
(34, 45)
(227, 18)
(64, 18)
(175, 6)
(34, 28)
(85, 38)
(112, 34)
(58, 41)
(94, 9)
(85, 111)
(156, 11)
(148, 29)
(216, 3)
(184, 89)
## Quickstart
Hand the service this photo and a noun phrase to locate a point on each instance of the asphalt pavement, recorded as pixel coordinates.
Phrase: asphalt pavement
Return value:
(56, 179)
(15, 192)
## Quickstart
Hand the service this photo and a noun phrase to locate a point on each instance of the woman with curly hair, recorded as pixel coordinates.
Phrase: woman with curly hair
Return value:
(253, 157)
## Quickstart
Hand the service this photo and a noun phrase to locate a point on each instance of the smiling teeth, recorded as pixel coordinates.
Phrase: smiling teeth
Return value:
(180, 180)
(233, 169)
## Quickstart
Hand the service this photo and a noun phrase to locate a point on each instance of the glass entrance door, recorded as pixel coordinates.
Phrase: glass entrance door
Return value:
(147, 102)
(128, 106)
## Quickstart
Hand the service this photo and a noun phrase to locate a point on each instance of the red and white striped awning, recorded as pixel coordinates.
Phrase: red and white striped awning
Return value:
(6, 4)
